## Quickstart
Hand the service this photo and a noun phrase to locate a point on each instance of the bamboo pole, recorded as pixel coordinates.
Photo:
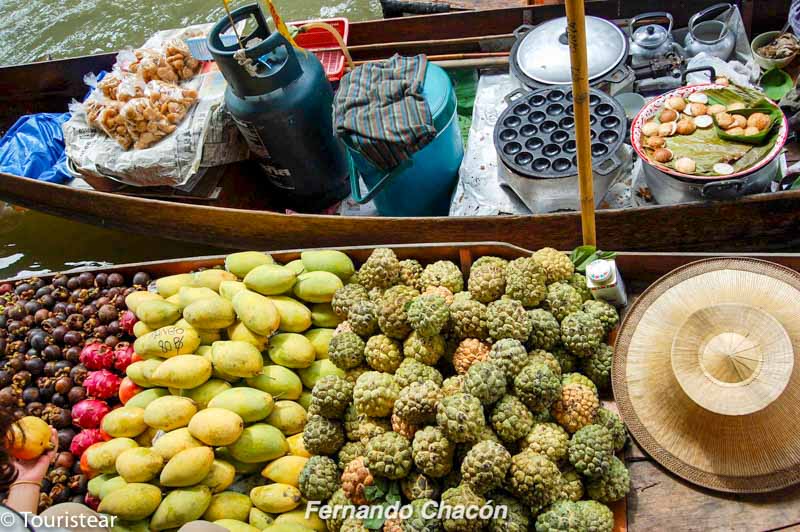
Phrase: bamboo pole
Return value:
(576, 32)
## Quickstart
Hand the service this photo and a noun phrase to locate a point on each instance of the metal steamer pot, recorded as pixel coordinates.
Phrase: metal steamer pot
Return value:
(540, 56)
(537, 150)
(650, 41)
(669, 186)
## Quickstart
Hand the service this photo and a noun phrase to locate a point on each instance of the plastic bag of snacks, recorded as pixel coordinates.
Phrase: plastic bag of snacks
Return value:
(155, 120)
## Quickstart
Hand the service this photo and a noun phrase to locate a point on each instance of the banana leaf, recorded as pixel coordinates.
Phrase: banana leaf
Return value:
(734, 94)
(706, 149)
(757, 140)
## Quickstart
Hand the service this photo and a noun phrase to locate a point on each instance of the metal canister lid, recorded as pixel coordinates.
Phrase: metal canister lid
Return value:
(543, 54)
(650, 36)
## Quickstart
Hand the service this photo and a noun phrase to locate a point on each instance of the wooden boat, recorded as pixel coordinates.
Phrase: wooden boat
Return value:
(243, 215)
(658, 500)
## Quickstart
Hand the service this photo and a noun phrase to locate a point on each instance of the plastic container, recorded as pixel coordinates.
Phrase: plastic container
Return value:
(284, 111)
(423, 184)
(324, 45)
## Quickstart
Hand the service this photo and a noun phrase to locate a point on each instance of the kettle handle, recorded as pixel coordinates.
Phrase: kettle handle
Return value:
(355, 180)
(652, 15)
(698, 17)
(709, 69)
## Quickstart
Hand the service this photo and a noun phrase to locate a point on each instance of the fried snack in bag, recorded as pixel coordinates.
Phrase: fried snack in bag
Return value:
(172, 101)
(145, 122)
(180, 59)
(105, 116)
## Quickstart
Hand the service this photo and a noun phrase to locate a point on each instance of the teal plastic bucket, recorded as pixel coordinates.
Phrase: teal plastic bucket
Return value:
(422, 185)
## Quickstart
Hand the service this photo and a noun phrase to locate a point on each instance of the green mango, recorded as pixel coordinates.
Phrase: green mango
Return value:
(141, 372)
(228, 505)
(276, 498)
(288, 417)
(187, 468)
(235, 525)
(95, 485)
(259, 443)
(317, 287)
(140, 464)
(204, 393)
(145, 397)
(295, 317)
(278, 381)
(211, 278)
(216, 427)
(239, 359)
(296, 266)
(167, 342)
(182, 371)
(175, 441)
(291, 350)
(169, 412)
(181, 506)
(171, 285)
(228, 289)
(270, 279)
(133, 299)
(249, 403)
(322, 315)
(189, 294)
(305, 399)
(241, 468)
(211, 313)
(320, 339)
(103, 458)
(158, 313)
(125, 422)
(243, 262)
(132, 502)
(257, 312)
(317, 370)
(328, 260)
(239, 332)
(259, 519)
(113, 484)
(220, 477)
(140, 328)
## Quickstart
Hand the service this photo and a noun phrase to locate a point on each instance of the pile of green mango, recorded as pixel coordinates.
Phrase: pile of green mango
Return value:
(228, 358)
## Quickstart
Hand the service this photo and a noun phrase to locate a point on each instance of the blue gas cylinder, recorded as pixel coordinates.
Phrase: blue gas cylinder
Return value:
(281, 101)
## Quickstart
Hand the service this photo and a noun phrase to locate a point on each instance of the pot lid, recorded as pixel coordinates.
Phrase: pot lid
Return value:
(650, 36)
(543, 54)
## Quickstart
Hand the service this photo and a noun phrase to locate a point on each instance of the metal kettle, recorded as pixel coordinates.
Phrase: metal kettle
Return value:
(651, 41)
(706, 34)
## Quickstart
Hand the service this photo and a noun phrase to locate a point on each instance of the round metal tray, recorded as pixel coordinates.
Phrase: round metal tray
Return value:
(535, 135)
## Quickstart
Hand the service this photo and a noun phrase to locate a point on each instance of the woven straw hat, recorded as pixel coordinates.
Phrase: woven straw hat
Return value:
(705, 374)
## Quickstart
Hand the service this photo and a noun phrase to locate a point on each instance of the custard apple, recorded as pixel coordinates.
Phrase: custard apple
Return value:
(375, 393)
(537, 386)
(604, 312)
(611, 486)
(322, 435)
(595, 516)
(545, 330)
(578, 282)
(581, 333)
(562, 300)
(346, 350)
(468, 352)
(411, 370)
(526, 281)
(331, 395)
(485, 466)
(510, 356)
(381, 270)
(428, 314)
(319, 478)
(533, 479)
(517, 517)
(363, 318)
(383, 353)
(541, 356)
(349, 452)
(344, 298)
(576, 408)
(511, 419)
(614, 424)
(507, 318)
(597, 366)
(411, 274)
(420, 520)
(417, 402)
(590, 450)
(547, 439)
(468, 319)
(486, 381)
(389, 456)
(432, 452)
(443, 273)
(392, 316)
(556, 265)
(425, 349)
(458, 499)
(460, 417)
(418, 486)
(487, 283)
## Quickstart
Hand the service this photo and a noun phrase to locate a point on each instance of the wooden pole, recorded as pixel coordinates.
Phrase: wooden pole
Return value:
(576, 32)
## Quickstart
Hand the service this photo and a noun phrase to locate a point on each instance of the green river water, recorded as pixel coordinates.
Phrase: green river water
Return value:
(31, 242)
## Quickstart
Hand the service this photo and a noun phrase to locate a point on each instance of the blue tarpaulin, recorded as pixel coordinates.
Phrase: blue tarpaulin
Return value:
(34, 147)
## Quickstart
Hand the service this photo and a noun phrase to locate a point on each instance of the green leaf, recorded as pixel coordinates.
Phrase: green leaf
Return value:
(373, 493)
(394, 495)
(581, 253)
(374, 524)
(795, 185)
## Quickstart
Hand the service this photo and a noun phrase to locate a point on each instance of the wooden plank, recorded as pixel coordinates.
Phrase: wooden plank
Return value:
(660, 501)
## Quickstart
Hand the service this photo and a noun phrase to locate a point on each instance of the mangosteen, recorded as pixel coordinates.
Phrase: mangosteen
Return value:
(46, 484)
(73, 283)
(16, 312)
(38, 340)
(59, 493)
(72, 308)
(15, 363)
(41, 315)
(19, 413)
(75, 321)
(3, 344)
(31, 395)
(22, 288)
(73, 338)
(65, 460)
(34, 365)
(50, 368)
(73, 354)
(50, 324)
(101, 279)
(5, 377)
(27, 321)
(51, 352)
(89, 310)
(107, 313)
(59, 400)
(141, 279)
(17, 328)
(65, 436)
(78, 483)
(3, 321)
(60, 280)
(43, 291)
(34, 409)
(8, 397)
(111, 341)
(113, 328)
(86, 280)
(116, 279)
(60, 294)
(63, 385)
(22, 378)
(37, 282)
(47, 301)
(78, 374)
(76, 394)
(114, 293)
(101, 331)
(59, 333)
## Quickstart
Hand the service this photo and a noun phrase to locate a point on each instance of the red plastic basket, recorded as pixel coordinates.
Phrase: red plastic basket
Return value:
(324, 45)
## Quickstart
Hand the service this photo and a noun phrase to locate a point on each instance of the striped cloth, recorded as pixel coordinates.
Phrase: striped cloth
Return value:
(794, 17)
(380, 110)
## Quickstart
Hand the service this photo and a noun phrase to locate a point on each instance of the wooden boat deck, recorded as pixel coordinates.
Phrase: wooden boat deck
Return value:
(658, 501)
